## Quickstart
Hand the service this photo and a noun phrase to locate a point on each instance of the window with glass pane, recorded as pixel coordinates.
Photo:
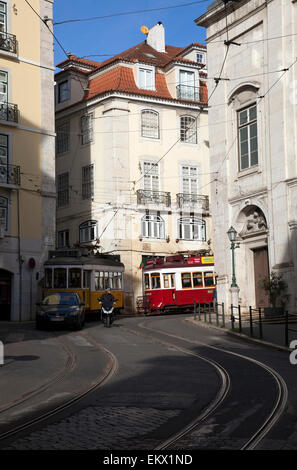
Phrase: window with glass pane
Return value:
(3, 17)
(200, 57)
(88, 231)
(48, 282)
(208, 279)
(87, 181)
(189, 179)
(3, 86)
(186, 280)
(3, 149)
(147, 281)
(150, 124)
(187, 85)
(151, 176)
(146, 78)
(87, 279)
(197, 280)
(63, 91)
(248, 137)
(74, 277)
(63, 239)
(188, 129)
(63, 190)
(3, 212)
(60, 278)
(63, 135)
(192, 228)
(87, 128)
(152, 226)
(156, 283)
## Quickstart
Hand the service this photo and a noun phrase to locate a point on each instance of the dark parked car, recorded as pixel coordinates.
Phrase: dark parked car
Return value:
(61, 307)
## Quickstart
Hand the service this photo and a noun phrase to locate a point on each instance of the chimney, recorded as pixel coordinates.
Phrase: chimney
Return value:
(156, 37)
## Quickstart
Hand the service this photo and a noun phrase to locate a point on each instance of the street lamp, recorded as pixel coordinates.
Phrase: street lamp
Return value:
(232, 236)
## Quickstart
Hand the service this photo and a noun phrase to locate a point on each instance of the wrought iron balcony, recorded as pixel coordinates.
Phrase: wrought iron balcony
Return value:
(10, 174)
(8, 43)
(9, 112)
(186, 92)
(153, 197)
(194, 200)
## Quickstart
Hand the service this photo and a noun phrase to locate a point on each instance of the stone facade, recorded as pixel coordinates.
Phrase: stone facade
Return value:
(253, 130)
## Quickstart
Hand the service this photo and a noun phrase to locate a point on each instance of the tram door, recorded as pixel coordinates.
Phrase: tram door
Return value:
(169, 288)
(5, 294)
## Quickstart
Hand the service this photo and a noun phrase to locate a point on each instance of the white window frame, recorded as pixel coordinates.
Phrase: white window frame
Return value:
(63, 91)
(150, 124)
(248, 125)
(188, 129)
(146, 84)
(152, 226)
(4, 13)
(196, 228)
(88, 231)
(202, 55)
(190, 177)
(149, 176)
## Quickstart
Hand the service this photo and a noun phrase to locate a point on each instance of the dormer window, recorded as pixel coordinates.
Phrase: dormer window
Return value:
(146, 77)
(200, 57)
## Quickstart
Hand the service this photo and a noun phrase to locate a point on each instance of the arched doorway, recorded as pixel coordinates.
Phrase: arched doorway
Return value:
(5, 294)
(254, 234)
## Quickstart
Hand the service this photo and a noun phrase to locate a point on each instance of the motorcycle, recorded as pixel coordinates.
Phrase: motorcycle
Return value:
(108, 316)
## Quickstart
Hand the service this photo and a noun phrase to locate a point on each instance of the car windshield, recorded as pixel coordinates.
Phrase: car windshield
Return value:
(60, 299)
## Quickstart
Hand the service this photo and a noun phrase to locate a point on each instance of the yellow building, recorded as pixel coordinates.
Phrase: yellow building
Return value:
(27, 147)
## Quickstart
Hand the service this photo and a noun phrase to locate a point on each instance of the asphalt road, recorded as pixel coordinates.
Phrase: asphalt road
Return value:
(158, 382)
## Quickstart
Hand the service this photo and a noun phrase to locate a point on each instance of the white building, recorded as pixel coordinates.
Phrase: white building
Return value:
(132, 154)
(253, 142)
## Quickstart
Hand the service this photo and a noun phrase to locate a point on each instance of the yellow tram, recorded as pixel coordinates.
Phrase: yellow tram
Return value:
(89, 275)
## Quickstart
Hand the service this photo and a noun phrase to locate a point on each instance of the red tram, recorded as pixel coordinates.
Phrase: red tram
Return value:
(177, 281)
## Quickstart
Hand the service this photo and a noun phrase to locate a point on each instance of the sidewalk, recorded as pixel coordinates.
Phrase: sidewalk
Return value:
(271, 332)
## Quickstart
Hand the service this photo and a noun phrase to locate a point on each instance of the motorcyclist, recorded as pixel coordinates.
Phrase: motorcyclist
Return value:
(107, 300)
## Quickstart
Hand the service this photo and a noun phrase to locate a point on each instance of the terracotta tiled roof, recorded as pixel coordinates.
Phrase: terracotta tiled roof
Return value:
(122, 79)
(91, 64)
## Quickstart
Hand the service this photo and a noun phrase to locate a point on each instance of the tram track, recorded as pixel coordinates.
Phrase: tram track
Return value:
(272, 418)
(69, 366)
(109, 371)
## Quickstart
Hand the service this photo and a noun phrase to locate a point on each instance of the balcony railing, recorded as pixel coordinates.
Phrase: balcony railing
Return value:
(8, 43)
(193, 200)
(10, 174)
(186, 92)
(9, 112)
(153, 197)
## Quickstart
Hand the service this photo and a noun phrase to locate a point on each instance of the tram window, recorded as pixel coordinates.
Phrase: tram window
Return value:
(74, 277)
(166, 281)
(99, 285)
(186, 280)
(87, 279)
(106, 280)
(117, 280)
(197, 280)
(147, 281)
(208, 279)
(172, 281)
(156, 284)
(48, 284)
(60, 278)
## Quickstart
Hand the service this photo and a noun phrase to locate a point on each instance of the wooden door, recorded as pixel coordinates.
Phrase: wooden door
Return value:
(261, 269)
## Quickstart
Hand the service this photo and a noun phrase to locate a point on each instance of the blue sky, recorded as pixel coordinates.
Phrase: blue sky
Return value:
(109, 36)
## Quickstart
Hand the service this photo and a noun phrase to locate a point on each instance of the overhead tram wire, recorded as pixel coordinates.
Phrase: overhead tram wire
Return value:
(112, 15)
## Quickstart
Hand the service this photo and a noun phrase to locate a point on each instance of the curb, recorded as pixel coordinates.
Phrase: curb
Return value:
(240, 335)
